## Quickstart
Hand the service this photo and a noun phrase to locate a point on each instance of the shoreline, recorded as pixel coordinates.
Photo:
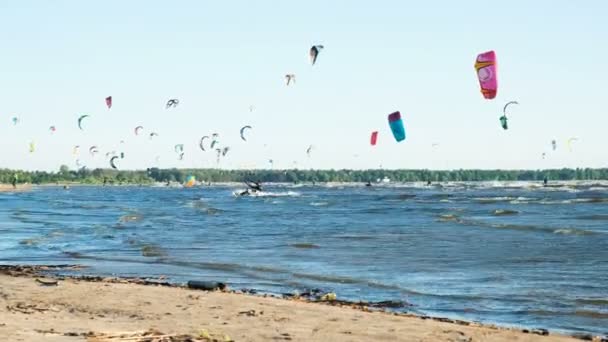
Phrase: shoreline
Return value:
(37, 304)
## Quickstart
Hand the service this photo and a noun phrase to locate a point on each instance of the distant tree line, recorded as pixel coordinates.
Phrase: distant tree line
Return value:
(100, 176)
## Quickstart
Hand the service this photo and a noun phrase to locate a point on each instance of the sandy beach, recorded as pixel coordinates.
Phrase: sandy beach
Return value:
(10, 188)
(36, 309)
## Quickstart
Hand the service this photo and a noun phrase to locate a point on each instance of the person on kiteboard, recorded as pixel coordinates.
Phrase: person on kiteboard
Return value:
(254, 187)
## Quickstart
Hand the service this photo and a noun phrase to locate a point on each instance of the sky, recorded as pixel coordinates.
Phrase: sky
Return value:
(60, 59)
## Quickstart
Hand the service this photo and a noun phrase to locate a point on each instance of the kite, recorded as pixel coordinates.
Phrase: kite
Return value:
(52, 129)
(80, 121)
(179, 148)
(93, 150)
(503, 122)
(138, 129)
(172, 103)
(504, 109)
(201, 143)
(122, 155)
(213, 143)
(15, 121)
(225, 151)
(153, 134)
(570, 141)
(243, 132)
(544, 155)
(485, 65)
(396, 124)
(181, 156)
(109, 102)
(32, 147)
(251, 108)
(112, 162)
(190, 181)
(503, 119)
(554, 144)
(308, 150)
(314, 52)
(218, 152)
(289, 78)
(374, 138)
(76, 150)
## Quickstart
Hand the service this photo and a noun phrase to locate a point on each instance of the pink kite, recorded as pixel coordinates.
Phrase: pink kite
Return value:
(485, 65)
(109, 102)
(374, 138)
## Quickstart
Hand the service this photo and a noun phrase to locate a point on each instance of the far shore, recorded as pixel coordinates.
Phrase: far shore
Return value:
(35, 307)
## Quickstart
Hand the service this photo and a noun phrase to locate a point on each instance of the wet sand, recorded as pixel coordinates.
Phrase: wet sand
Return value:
(35, 309)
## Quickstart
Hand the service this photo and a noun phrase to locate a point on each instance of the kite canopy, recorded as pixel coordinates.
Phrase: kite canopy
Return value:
(485, 65)
(289, 78)
(15, 120)
(503, 122)
(93, 150)
(201, 143)
(52, 129)
(504, 109)
(172, 103)
(138, 129)
(553, 144)
(374, 138)
(112, 164)
(109, 102)
(82, 117)
(243, 132)
(570, 141)
(396, 125)
(314, 53)
(190, 181)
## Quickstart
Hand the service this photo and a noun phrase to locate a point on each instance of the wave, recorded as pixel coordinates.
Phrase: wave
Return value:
(501, 199)
(267, 194)
(523, 227)
(593, 301)
(319, 204)
(504, 212)
(304, 245)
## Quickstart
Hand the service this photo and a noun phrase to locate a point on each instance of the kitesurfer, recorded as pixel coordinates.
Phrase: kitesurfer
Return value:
(14, 181)
(545, 181)
(254, 187)
(428, 183)
(368, 183)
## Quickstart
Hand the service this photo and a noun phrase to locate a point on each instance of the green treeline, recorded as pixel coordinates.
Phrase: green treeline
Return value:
(98, 176)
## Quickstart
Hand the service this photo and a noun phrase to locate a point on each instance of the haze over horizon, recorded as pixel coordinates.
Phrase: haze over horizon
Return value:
(61, 59)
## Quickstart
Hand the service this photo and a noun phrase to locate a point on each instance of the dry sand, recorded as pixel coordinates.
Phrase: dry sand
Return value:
(78, 310)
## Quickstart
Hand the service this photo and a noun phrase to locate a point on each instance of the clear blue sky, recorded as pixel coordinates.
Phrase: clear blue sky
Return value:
(60, 59)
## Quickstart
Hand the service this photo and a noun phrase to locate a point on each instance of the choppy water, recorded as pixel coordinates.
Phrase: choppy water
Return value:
(515, 254)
